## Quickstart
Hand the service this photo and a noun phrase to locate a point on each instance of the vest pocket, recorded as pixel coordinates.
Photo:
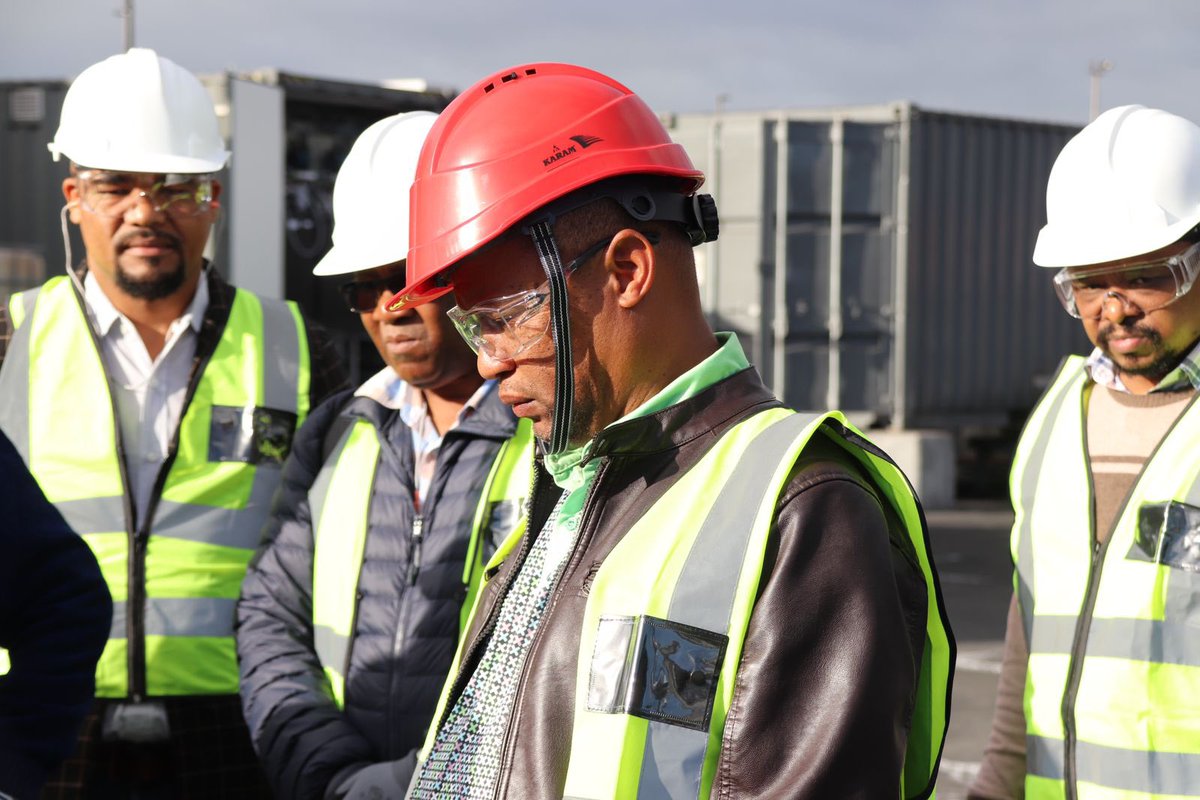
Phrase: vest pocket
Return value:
(655, 669)
(251, 434)
(1168, 533)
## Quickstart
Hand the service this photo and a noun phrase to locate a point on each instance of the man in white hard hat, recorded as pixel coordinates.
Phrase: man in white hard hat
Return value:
(155, 404)
(1100, 686)
(394, 497)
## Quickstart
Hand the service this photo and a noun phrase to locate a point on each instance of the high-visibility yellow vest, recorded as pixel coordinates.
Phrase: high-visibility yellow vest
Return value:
(175, 579)
(668, 612)
(340, 500)
(1112, 694)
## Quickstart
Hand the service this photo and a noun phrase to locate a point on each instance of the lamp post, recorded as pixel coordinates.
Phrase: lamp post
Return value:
(126, 15)
(1096, 70)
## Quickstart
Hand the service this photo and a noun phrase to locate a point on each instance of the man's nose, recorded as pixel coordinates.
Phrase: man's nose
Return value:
(491, 366)
(1115, 307)
(142, 208)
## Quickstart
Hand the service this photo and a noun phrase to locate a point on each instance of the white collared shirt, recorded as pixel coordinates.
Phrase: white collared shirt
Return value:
(390, 391)
(148, 393)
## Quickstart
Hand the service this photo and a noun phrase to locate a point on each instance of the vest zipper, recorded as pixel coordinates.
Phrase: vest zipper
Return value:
(135, 566)
(1083, 625)
(414, 563)
(138, 531)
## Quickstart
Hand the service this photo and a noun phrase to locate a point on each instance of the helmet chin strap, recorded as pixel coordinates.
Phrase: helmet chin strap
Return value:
(560, 330)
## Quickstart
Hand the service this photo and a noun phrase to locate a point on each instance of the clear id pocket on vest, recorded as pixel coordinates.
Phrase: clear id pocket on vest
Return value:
(252, 435)
(656, 669)
(1168, 533)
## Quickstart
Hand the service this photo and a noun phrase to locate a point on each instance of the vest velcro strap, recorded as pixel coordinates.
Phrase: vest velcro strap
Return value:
(180, 616)
(1152, 772)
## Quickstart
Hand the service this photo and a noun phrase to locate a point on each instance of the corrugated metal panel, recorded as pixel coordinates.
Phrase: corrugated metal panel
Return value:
(31, 181)
(986, 328)
(842, 227)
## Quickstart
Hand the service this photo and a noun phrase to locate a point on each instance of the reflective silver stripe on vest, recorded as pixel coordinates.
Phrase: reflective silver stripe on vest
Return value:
(180, 616)
(1156, 641)
(94, 514)
(227, 527)
(1029, 485)
(1143, 771)
(1044, 757)
(281, 356)
(704, 593)
(193, 523)
(331, 646)
(14, 381)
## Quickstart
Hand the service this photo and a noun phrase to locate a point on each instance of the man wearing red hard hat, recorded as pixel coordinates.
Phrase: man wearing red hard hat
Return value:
(712, 595)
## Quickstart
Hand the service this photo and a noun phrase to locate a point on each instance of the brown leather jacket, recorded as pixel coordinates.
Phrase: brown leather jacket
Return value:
(825, 690)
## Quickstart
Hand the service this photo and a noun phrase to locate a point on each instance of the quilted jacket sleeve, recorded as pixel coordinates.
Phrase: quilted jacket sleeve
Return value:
(303, 740)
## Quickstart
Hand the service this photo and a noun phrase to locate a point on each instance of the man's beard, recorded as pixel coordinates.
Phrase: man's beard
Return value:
(159, 284)
(155, 287)
(1163, 361)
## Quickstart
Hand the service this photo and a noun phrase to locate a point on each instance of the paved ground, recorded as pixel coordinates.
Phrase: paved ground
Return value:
(970, 546)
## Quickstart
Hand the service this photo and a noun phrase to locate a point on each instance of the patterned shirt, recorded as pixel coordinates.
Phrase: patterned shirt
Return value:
(1185, 375)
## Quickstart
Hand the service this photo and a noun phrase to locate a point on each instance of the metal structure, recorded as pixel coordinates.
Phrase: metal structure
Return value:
(876, 259)
(1096, 71)
(31, 245)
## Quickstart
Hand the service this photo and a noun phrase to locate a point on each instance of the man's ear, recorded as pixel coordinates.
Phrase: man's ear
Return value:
(631, 263)
(70, 190)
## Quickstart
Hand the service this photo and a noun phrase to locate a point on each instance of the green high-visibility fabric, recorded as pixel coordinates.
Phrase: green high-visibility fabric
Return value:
(340, 500)
(641, 577)
(208, 516)
(1112, 691)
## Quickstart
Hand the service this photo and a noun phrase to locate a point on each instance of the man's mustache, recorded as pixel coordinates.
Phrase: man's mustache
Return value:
(138, 236)
(1110, 331)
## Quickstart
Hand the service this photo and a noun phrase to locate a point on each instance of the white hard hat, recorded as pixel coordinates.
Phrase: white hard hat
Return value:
(1126, 185)
(370, 196)
(139, 112)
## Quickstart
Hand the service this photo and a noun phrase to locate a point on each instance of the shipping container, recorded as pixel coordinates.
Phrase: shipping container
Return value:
(31, 198)
(877, 259)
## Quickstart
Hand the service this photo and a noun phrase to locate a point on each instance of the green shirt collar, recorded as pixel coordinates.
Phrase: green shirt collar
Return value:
(729, 359)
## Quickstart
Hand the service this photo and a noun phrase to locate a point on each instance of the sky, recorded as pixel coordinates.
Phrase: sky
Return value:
(1026, 59)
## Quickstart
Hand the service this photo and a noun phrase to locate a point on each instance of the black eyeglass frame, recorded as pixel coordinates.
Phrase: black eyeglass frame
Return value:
(375, 287)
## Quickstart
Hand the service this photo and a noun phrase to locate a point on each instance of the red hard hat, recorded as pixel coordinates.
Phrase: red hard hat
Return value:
(514, 142)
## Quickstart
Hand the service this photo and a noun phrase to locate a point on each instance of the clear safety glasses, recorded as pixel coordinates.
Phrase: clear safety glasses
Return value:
(504, 327)
(1149, 286)
(112, 194)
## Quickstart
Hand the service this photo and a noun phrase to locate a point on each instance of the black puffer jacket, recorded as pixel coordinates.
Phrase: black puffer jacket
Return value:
(404, 635)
